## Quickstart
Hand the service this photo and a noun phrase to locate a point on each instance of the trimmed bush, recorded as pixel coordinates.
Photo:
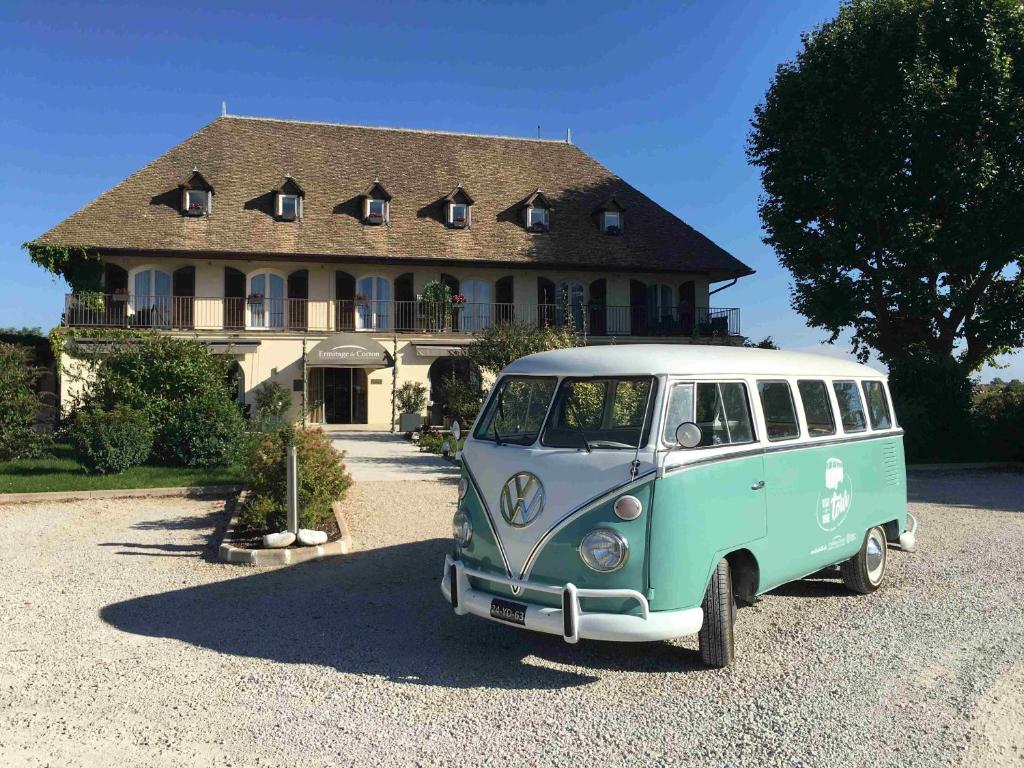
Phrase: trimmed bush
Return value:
(204, 430)
(109, 442)
(322, 479)
(19, 404)
(411, 397)
(183, 389)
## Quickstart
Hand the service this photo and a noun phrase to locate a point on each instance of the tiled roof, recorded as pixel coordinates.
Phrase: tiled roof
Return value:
(244, 159)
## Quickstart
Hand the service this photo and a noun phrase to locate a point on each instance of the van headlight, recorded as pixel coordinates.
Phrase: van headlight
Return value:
(628, 507)
(462, 528)
(463, 487)
(604, 550)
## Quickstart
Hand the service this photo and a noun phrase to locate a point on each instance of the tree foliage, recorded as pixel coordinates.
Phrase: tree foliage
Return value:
(80, 266)
(499, 345)
(893, 168)
(20, 405)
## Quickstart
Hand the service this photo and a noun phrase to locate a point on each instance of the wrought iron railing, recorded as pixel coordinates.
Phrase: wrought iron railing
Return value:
(278, 314)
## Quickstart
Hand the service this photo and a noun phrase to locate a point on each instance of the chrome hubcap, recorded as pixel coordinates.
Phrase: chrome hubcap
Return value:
(875, 556)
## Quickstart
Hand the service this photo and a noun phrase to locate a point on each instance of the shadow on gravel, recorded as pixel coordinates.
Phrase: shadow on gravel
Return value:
(984, 490)
(378, 612)
(217, 520)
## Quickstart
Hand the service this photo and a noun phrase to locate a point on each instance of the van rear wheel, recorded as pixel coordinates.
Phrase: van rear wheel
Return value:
(864, 572)
(717, 648)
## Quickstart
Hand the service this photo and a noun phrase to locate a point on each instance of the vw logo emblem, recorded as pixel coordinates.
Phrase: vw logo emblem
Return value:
(522, 499)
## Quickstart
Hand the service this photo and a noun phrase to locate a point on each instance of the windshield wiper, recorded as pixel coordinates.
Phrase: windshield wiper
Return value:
(579, 427)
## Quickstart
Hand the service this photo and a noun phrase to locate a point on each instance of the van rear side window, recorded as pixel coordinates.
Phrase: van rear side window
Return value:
(851, 408)
(817, 408)
(779, 411)
(878, 406)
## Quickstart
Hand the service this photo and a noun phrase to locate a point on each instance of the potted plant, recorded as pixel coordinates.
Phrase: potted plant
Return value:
(119, 295)
(255, 298)
(411, 399)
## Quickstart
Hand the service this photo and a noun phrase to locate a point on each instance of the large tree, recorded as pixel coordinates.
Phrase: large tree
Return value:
(892, 157)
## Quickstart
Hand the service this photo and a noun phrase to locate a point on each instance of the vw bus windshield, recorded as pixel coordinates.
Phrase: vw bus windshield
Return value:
(601, 413)
(515, 412)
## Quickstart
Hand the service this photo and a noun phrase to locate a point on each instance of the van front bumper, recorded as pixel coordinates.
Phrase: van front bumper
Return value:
(568, 621)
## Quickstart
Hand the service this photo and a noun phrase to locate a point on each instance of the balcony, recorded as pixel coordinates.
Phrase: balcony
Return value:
(180, 313)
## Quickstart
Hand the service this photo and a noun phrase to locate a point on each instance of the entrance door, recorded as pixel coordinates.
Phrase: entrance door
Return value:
(344, 396)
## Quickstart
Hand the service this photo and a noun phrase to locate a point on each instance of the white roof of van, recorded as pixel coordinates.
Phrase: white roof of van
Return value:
(685, 360)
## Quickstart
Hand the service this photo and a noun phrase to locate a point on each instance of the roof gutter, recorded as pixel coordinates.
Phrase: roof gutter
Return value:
(730, 284)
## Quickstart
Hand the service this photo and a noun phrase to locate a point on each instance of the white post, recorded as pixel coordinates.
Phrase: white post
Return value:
(293, 490)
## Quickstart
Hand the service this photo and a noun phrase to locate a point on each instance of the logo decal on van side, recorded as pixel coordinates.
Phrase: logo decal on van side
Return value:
(835, 500)
(522, 499)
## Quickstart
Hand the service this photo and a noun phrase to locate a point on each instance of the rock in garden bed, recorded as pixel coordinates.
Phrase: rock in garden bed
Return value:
(245, 545)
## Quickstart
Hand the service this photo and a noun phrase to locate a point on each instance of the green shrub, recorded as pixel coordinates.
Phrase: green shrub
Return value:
(999, 415)
(411, 397)
(272, 404)
(183, 389)
(19, 404)
(322, 478)
(462, 399)
(500, 344)
(109, 442)
(203, 430)
(432, 442)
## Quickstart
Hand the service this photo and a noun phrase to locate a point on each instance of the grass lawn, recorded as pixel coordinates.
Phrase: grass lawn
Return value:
(60, 472)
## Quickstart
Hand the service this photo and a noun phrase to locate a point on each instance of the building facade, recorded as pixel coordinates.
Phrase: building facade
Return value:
(342, 261)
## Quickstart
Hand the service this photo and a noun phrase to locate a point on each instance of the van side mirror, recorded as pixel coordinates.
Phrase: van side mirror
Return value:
(688, 435)
(456, 431)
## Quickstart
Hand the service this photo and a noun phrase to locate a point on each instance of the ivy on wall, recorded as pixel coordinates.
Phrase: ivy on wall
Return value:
(81, 266)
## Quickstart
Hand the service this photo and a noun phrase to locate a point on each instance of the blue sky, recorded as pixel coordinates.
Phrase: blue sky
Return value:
(661, 93)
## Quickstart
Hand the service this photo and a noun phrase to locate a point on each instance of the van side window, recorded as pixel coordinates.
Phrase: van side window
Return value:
(851, 408)
(680, 409)
(817, 408)
(779, 411)
(878, 406)
(723, 414)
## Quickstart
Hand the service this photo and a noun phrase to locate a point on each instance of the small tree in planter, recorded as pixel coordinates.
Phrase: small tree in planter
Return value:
(437, 305)
(411, 399)
(272, 404)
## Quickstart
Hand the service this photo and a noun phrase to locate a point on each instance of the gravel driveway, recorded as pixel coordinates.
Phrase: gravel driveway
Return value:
(122, 643)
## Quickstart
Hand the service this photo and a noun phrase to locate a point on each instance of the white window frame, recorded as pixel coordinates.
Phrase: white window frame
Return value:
(207, 202)
(280, 206)
(266, 312)
(368, 317)
(529, 217)
(451, 213)
(384, 207)
(606, 223)
(153, 299)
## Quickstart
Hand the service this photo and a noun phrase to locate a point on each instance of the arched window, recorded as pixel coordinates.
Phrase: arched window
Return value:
(661, 308)
(373, 304)
(597, 311)
(344, 296)
(478, 310)
(151, 297)
(504, 298)
(569, 303)
(405, 302)
(266, 300)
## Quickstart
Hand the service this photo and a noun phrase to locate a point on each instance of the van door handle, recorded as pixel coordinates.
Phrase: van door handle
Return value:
(757, 486)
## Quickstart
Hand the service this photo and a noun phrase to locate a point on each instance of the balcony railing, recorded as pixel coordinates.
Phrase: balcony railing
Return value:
(270, 314)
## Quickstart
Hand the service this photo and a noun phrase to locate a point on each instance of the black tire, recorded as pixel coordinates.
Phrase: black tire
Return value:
(864, 572)
(717, 647)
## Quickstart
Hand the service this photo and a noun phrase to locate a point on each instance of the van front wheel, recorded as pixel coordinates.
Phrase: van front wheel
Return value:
(715, 639)
(863, 573)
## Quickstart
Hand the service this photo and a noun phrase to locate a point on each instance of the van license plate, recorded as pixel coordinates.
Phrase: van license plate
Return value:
(506, 610)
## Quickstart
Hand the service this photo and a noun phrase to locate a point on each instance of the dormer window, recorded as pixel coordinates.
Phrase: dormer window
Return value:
(196, 195)
(457, 208)
(610, 216)
(197, 202)
(288, 200)
(537, 212)
(376, 204)
(539, 220)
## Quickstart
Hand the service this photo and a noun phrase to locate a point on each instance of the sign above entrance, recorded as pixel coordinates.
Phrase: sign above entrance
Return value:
(349, 350)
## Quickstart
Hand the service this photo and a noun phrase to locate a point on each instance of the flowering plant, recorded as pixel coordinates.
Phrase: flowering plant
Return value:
(458, 298)
(255, 297)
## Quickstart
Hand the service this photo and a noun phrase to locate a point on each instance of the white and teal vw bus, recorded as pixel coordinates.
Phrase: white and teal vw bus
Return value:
(638, 492)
